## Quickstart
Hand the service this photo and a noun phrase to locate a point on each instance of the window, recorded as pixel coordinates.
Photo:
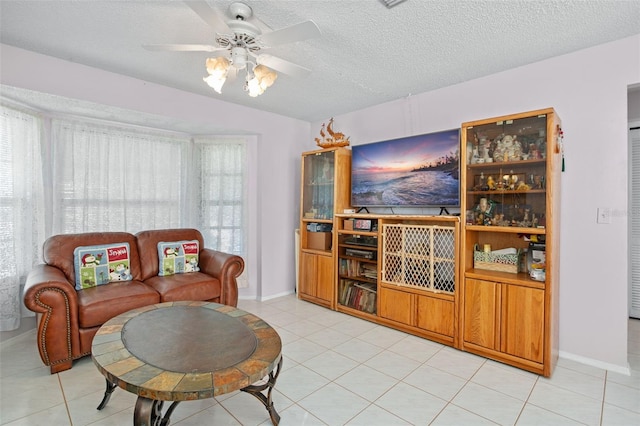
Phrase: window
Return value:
(110, 177)
(223, 193)
(21, 207)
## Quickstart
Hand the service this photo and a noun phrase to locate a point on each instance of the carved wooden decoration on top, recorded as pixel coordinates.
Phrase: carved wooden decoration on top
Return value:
(333, 139)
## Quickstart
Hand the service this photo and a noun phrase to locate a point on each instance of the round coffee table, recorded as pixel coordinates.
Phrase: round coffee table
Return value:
(182, 351)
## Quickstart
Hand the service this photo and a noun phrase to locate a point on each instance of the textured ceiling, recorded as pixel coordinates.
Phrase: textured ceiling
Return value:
(367, 54)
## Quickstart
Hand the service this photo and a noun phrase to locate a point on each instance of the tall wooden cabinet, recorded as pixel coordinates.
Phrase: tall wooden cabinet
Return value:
(325, 186)
(510, 184)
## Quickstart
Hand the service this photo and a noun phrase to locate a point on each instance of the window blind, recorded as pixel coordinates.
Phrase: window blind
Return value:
(634, 223)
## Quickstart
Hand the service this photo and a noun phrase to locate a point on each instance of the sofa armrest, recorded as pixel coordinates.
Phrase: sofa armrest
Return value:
(225, 267)
(48, 293)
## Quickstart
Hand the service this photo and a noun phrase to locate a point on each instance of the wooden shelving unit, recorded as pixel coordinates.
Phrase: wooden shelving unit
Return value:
(514, 164)
(325, 185)
(407, 258)
(418, 273)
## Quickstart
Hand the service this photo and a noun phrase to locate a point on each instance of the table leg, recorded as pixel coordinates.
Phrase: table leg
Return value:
(107, 394)
(148, 412)
(256, 390)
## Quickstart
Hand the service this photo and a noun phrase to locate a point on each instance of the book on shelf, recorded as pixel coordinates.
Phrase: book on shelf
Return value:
(358, 295)
(370, 271)
(355, 268)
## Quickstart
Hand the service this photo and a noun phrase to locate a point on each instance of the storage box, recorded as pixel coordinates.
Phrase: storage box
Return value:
(319, 240)
(496, 262)
(348, 224)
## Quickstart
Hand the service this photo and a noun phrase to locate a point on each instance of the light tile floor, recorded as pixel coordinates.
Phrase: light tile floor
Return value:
(340, 370)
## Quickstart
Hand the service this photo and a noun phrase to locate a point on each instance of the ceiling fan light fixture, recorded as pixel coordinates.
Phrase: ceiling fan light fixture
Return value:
(218, 68)
(261, 79)
(266, 77)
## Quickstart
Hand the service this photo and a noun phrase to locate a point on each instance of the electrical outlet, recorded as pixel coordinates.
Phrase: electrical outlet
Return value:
(604, 215)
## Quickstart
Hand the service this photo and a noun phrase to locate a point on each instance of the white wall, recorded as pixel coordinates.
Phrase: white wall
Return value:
(275, 156)
(588, 89)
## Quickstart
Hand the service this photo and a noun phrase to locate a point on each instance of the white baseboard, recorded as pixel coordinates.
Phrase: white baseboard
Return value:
(595, 363)
(265, 298)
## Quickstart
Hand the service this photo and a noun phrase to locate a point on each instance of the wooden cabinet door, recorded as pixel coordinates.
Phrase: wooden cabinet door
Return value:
(316, 276)
(481, 322)
(396, 305)
(523, 322)
(308, 274)
(324, 277)
(435, 315)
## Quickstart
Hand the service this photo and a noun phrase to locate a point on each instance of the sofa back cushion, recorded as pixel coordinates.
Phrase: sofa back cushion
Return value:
(148, 246)
(178, 257)
(101, 264)
(58, 250)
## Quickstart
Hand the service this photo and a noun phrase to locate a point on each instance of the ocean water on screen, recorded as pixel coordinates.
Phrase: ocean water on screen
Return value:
(420, 188)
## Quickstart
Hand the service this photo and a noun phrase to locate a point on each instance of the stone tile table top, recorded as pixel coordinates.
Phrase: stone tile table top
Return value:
(181, 351)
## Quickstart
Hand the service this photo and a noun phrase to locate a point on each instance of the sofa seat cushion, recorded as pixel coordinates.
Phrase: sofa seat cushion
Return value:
(193, 286)
(97, 305)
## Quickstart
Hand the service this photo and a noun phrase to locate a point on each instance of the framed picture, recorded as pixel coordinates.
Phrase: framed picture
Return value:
(362, 225)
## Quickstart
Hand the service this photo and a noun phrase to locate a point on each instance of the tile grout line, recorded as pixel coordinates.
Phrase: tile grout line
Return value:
(604, 394)
(64, 398)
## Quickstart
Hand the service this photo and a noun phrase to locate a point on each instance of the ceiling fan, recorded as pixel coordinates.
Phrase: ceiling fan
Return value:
(239, 42)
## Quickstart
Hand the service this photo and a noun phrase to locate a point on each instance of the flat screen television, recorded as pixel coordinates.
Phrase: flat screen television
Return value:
(414, 171)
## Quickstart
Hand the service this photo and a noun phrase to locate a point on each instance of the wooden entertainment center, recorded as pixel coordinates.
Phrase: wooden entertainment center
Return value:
(448, 278)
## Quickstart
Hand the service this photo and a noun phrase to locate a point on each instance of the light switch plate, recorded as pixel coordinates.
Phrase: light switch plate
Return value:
(604, 215)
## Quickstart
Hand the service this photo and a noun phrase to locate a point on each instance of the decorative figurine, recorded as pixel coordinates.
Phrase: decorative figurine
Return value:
(491, 184)
(485, 211)
(334, 139)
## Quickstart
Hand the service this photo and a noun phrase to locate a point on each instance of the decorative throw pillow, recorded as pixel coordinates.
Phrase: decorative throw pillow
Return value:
(178, 257)
(101, 264)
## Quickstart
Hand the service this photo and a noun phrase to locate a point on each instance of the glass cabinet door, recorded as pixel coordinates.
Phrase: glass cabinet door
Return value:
(506, 169)
(318, 185)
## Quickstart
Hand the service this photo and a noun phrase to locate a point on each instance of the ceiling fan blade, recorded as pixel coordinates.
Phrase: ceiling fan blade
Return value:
(262, 26)
(302, 31)
(283, 66)
(183, 47)
(210, 16)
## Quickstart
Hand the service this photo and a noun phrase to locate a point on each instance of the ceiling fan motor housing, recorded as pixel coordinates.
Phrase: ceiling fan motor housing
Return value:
(240, 11)
(239, 57)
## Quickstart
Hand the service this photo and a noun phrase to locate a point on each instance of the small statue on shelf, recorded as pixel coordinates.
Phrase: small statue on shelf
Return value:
(491, 184)
(508, 148)
(484, 211)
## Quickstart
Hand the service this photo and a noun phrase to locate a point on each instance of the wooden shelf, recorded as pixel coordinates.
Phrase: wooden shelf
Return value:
(310, 220)
(520, 278)
(506, 229)
(319, 252)
(507, 164)
(507, 192)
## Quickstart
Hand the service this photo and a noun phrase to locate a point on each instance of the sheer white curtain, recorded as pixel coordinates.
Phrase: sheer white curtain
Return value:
(110, 178)
(104, 176)
(21, 207)
(222, 167)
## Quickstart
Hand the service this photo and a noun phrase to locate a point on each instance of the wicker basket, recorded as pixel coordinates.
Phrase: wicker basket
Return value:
(496, 262)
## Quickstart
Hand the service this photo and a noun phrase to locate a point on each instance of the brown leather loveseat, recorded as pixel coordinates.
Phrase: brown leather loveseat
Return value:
(69, 318)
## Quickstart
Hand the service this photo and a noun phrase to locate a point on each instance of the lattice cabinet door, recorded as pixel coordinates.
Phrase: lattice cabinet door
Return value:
(419, 256)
